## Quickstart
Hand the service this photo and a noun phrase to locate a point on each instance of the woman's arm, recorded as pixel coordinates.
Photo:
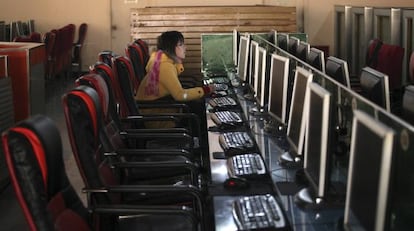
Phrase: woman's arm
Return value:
(170, 83)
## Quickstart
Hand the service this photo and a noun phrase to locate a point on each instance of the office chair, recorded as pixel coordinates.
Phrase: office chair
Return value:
(128, 87)
(77, 47)
(106, 57)
(131, 123)
(139, 59)
(98, 170)
(194, 119)
(33, 150)
(144, 47)
(83, 104)
(49, 39)
(118, 108)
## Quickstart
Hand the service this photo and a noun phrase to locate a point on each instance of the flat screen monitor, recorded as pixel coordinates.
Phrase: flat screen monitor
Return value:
(3, 31)
(254, 47)
(273, 37)
(375, 87)
(282, 41)
(338, 70)
(317, 146)
(408, 104)
(14, 30)
(367, 188)
(243, 57)
(298, 111)
(279, 77)
(236, 40)
(260, 77)
(293, 45)
(31, 25)
(302, 51)
(316, 58)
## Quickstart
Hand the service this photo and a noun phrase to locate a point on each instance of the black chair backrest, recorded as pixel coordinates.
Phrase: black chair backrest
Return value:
(138, 59)
(33, 150)
(125, 76)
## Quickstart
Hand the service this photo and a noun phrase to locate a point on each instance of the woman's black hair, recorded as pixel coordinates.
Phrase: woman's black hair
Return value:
(168, 40)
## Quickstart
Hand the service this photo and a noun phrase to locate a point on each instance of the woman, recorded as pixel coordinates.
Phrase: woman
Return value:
(162, 80)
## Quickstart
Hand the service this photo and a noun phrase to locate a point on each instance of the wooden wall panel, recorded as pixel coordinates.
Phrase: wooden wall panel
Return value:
(148, 23)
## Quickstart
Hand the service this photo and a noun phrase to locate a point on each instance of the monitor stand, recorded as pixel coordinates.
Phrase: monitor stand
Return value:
(249, 97)
(257, 111)
(291, 160)
(305, 199)
(275, 128)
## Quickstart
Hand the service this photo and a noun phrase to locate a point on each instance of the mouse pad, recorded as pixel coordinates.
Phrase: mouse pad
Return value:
(288, 188)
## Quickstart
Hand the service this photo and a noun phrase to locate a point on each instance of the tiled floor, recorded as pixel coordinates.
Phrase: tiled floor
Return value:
(11, 217)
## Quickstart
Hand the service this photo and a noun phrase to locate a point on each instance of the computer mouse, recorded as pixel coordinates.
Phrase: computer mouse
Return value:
(216, 94)
(236, 183)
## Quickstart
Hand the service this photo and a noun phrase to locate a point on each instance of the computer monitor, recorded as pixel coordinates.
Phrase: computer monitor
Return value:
(338, 70)
(408, 104)
(236, 40)
(260, 77)
(31, 24)
(273, 37)
(318, 148)
(254, 47)
(316, 58)
(282, 41)
(375, 87)
(293, 45)
(279, 77)
(302, 51)
(367, 188)
(3, 31)
(243, 57)
(14, 30)
(297, 118)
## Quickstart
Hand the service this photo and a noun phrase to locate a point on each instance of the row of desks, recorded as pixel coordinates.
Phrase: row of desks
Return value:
(282, 182)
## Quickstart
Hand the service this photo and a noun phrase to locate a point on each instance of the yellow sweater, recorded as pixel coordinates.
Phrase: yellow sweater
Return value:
(168, 85)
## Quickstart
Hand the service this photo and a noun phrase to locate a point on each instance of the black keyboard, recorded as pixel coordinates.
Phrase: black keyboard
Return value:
(225, 119)
(258, 212)
(249, 166)
(221, 79)
(234, 143)
(221, 86)
(225, 101)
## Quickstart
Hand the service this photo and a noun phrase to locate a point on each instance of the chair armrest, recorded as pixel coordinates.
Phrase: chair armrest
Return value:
(157, 130)
(155, 117)
(194, 118)
(189, 190)
(151, 152)
(162, 104)
(182, 136)
(190, 166)
(133, 211)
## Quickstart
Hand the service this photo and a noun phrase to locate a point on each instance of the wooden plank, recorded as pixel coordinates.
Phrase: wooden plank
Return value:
(215, 9)
(199, 17)
(149, 23)
(211, 29)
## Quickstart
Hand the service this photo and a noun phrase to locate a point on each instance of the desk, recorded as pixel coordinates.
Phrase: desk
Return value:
(222, 199)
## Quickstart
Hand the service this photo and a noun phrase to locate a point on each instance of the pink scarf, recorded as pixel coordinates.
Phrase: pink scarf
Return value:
(154, 76)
